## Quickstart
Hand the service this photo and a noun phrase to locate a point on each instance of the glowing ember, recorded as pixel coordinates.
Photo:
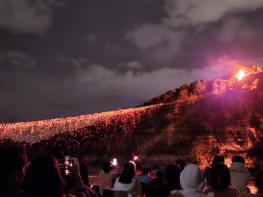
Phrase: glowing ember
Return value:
(240, 75)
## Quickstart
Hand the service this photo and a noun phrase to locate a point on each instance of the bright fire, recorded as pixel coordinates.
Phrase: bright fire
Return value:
(240, 74)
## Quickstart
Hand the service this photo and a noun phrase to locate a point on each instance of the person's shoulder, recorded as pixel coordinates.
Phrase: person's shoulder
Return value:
(68, 195)
(117, 185)
(208, 168)
(233, 189)
(208, 189)
(116, 182)
(175, 193)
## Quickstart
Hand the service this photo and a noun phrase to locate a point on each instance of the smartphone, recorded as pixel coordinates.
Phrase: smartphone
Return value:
(135, 158)
(114, 162)
(67, 164)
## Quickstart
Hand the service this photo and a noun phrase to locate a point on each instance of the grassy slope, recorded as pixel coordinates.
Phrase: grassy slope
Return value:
(198, 121)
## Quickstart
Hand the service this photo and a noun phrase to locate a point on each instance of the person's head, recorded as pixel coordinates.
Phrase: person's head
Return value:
(57, 153)
(12, 166)
(190, 177)
(220, 177)
(172, 175)
(218, 159)
(259, 182)
(238, 158)
(159, 175)
(181, 163)
(43, 178)
(106, 167)
(127, 173)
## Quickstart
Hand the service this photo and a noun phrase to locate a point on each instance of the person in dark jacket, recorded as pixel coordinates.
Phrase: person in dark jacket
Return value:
(12, 169)
(207, 174)
(220, 182)
(172, 177)
(157, 185)
(43, 178)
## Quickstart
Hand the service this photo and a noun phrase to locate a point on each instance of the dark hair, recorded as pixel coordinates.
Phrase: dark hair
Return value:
(259, 182)
(238, 158)
(43, 178)
(172, 175)
(13, 160)
(181, 163)
(159, 174)
(127, 173)
(57, 153)
(218, 159)
(220, 177)
(106, 167)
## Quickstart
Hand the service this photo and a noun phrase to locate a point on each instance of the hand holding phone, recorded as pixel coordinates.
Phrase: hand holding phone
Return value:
(70, 166)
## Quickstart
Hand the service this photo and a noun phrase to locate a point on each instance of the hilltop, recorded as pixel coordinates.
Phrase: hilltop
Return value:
(196, 121)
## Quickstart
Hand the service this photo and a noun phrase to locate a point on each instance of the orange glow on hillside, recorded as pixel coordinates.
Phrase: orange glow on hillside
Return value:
(240, 74)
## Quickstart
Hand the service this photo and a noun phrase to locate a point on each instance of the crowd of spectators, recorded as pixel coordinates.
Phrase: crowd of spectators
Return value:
(51, 174)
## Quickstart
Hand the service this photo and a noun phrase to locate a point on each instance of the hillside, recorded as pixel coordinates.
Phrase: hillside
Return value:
(195, 121)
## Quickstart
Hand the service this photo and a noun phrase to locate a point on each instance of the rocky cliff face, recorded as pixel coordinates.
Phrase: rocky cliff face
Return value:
(195, 121)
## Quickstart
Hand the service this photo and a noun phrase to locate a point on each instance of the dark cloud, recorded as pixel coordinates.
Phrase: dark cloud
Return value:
(26, 15)
(197, 12)
(192, 31)
(60, 58)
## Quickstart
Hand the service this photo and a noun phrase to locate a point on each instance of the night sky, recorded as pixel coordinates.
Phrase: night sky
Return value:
(68, 57)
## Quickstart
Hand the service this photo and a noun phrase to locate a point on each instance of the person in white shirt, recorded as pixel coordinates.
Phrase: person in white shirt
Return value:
(105, 178)
(128, 182)
(190, 178)
(239, 174)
